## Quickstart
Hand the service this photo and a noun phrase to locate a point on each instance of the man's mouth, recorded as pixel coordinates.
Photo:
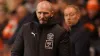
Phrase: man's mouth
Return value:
(69, 22)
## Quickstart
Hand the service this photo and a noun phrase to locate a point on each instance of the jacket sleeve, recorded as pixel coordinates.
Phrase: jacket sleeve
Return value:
(65, 45)
(18, 46)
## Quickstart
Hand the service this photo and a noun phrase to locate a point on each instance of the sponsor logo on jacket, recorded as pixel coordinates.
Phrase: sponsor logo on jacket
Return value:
(49, 41)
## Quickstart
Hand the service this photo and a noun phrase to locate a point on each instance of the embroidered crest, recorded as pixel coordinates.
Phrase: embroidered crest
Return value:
(49, 44)
(49, 41)
(50, 36)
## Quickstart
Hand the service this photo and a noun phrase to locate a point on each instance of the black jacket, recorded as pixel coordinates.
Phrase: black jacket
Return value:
(80, 38)
(41, 40)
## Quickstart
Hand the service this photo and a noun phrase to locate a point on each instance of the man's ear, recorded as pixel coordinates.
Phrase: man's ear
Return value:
(52, 13)
(78, 16)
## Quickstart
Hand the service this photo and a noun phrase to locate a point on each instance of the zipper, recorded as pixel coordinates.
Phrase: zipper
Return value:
(38, 30)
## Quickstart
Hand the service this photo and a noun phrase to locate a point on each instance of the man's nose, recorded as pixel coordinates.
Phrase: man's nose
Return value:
(68, 17)
(42, 15)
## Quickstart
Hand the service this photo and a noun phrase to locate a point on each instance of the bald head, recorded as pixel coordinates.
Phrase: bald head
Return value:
(44, 11)
(45, 4)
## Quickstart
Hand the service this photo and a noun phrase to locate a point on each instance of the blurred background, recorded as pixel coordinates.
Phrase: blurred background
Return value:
(14, 13)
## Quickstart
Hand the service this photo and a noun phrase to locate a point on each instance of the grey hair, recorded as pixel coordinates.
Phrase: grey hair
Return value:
(75, 7)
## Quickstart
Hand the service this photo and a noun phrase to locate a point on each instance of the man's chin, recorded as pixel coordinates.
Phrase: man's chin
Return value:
(69, 24)
(42, 22)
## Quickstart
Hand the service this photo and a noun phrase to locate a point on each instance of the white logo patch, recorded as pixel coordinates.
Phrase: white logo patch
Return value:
(33, 33)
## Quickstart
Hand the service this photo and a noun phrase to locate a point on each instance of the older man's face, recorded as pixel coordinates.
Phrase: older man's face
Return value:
(43, 14)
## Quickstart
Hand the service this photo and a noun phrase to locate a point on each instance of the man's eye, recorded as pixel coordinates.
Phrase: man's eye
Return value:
(72, 14)
(66, 15)
(39, 12)
(45, 13)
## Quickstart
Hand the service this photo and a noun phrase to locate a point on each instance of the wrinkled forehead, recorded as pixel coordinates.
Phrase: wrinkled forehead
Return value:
(44, 5)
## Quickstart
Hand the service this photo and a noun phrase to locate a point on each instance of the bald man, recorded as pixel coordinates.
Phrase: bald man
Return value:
(42, 38)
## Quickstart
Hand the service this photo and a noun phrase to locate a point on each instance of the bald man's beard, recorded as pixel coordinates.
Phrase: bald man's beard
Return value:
(45, 21)
(42, 22)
